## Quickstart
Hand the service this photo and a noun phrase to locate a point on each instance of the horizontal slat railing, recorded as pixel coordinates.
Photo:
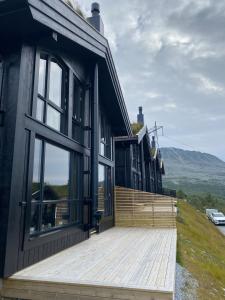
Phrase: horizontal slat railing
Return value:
(135, 208)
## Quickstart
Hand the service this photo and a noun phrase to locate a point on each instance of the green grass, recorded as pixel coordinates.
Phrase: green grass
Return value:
(201, 250)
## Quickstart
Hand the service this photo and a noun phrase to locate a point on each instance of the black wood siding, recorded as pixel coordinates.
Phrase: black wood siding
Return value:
(9, 104)
(51, 246)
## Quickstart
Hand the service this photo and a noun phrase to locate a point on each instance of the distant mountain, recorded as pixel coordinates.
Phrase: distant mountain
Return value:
(194, 172)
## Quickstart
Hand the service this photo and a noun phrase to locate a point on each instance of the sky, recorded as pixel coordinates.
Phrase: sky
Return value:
(170, 59)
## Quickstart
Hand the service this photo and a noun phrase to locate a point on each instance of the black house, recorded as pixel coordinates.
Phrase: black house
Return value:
(58, 84)
(158, 169)
(139, 164)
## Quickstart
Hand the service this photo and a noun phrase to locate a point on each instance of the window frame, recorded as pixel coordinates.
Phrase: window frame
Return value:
(78, 121)
(63, 109)
(75, 168)
(108, 191)
(41, 130)
(107, 141)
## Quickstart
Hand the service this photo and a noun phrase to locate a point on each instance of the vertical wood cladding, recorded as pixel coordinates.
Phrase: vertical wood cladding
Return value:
(106, 223)
(43, 250)
(9, 103)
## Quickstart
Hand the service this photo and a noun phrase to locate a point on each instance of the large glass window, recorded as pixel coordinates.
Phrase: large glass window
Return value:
(105, 147)
(55, 193)
(105, 190)
(81, 123)
(87, 176)
(78, 112)
(101, 187)
(55, 83)
(52, 98)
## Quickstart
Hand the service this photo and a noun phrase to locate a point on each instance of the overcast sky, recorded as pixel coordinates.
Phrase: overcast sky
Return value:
(170, 58)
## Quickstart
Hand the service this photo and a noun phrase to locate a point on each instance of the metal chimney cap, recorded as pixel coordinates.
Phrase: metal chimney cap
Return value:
(95, 8)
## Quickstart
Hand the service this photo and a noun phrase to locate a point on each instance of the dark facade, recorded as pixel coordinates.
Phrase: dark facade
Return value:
(57, 161)
(138, 163)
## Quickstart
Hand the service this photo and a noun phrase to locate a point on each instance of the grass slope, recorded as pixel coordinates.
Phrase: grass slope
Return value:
(201, 250)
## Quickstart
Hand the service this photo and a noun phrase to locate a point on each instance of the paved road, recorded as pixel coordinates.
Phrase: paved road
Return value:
(222, 229)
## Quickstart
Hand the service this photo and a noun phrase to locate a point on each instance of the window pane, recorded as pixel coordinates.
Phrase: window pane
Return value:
(40, 110)
(53, 118)
(34, 218)
(55, 88)
(56, 173)
(78, 133)
(101, 187)
(42, 76)
(54, 215)
(78, 102)
(108, 198)
(36, 187)
(102, 149)
(36, 171)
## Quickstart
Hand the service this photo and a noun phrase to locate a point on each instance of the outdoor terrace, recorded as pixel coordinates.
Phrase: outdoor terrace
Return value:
(120, 263)
(134, 260)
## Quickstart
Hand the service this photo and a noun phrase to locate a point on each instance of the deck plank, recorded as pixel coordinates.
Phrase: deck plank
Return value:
(136, 260)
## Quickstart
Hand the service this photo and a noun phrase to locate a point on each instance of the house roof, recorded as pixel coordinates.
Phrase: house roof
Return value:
(26, 19)
(138, 137)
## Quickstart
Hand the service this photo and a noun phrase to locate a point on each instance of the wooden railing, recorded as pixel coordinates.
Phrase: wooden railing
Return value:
(135, 208)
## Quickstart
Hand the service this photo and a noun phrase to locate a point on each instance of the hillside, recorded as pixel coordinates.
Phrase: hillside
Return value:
(201, 251)
(194, 172)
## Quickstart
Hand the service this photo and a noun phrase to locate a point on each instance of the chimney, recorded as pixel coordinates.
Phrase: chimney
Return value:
(140, 116)
(153, 142)
(95, 20)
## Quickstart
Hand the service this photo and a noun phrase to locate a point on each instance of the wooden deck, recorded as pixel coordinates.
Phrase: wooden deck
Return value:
(120, 263)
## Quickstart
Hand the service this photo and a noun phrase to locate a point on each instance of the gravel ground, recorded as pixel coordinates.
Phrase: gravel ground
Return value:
(186, 285)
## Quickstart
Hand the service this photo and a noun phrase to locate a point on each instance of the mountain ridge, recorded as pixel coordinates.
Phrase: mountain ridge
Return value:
(193, 171)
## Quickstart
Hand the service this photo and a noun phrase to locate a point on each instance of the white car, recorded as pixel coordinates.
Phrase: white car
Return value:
(209, 211)
(217, 218)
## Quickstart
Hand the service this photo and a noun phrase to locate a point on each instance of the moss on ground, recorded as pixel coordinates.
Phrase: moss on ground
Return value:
(201, 250)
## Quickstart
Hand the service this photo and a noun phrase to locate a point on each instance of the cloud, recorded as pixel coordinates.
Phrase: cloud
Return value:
(170, 58)
(206, 85)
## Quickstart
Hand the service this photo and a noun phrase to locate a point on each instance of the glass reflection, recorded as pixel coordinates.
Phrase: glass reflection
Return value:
(54, 215)
(40, 110)
(53, 118)
(102, 149)
(78, 102)
(77, 133)
(55, 88)
(34, 218)
(36, 170)
(36, 192)
(42, 76)
(101, 187)
(56, 174)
